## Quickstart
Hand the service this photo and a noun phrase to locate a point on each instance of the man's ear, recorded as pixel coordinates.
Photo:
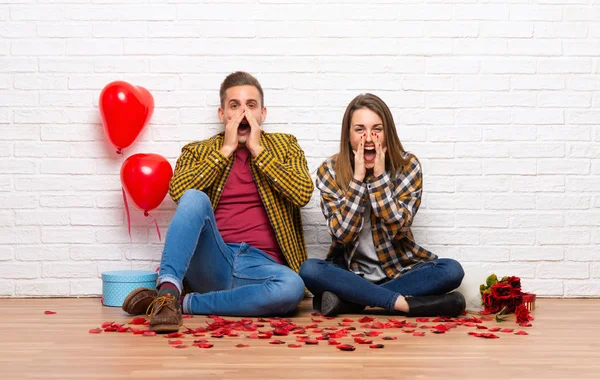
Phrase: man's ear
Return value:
(221, 115)
(263, 114)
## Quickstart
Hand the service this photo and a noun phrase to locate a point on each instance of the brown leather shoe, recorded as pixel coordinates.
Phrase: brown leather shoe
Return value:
(165, 314)
(138, 301)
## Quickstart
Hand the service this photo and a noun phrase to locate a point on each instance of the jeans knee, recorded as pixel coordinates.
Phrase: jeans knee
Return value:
(294, 288)
(194, 200)
(310, 270)
(288, 292)
(455, 273)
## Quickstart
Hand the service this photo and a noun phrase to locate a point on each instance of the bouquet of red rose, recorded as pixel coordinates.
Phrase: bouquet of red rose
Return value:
(501, 296)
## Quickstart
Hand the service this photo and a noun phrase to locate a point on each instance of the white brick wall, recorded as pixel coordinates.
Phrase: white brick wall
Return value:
(497, 99)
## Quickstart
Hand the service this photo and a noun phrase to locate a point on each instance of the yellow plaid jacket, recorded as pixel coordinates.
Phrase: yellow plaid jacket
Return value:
(394, 200)
(279, 171)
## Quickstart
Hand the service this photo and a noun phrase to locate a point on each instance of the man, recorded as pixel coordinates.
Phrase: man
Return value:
(243, 258)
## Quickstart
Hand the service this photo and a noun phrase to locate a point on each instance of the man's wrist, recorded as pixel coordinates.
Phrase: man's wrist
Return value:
(256, 151)
(226, 151)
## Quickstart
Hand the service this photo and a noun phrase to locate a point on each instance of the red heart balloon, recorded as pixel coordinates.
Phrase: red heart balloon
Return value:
(146, 178)
(125, 110)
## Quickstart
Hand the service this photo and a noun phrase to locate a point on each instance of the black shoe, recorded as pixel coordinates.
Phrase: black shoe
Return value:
(332, 305)
(446, 305)
(317, 303)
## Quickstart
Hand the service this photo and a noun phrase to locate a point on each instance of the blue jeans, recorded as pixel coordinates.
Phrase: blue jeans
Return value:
(228, 279)
(427, 278)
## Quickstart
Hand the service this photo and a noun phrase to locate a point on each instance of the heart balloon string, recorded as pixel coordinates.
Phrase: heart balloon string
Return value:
(128, 215)
(146, 214)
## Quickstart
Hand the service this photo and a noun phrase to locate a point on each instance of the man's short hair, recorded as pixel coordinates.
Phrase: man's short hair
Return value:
(240, 78)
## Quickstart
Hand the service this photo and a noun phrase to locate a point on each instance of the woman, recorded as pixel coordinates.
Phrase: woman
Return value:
(370, 194)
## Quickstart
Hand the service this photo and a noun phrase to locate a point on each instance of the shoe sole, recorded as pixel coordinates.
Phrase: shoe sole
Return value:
(161, 329)
(463, 303)
(126, 303)
(329, 304)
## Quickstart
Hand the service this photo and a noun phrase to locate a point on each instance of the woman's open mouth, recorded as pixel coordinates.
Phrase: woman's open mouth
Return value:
(369, 154)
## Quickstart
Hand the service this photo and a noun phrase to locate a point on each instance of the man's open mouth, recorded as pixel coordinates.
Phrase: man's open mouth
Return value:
(243, 128)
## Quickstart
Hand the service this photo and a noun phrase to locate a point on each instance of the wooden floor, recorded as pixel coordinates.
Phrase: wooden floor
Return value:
(562, 344)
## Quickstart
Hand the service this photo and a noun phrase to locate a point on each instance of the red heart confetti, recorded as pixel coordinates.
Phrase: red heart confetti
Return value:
(376, 346)
(95, 331)
(48, 312)
(174, 335)
(281, 332)
(484, 335)
(294, 345)
(521, 332)
(419, 334)
(138, 321)
(346, 347)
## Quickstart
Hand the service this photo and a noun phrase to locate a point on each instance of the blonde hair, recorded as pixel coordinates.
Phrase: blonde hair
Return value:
(240, 78)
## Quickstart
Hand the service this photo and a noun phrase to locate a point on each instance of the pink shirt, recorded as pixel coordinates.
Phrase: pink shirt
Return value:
(240, 213)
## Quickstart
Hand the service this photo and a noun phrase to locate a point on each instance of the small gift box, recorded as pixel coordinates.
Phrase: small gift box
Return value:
(529, 301)
(116, 285)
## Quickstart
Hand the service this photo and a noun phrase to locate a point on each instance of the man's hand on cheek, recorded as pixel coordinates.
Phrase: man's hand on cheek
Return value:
(253, 142)
(230, 141)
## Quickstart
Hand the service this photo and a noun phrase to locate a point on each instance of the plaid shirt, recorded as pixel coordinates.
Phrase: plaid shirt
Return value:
(394, 201)
(279, 171)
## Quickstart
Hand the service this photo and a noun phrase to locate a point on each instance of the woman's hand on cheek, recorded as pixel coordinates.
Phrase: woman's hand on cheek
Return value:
(379, 167)
(359, 160)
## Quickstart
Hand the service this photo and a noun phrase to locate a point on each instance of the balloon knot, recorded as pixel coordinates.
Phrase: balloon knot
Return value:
(146, 213)
(119, 151)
